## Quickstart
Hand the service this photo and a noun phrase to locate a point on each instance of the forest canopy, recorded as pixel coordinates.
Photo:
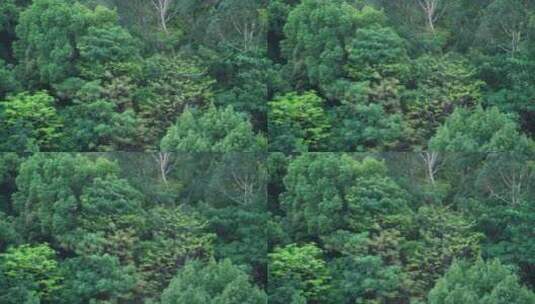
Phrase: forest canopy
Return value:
(267, 151)
(390, 75)
(116, 75)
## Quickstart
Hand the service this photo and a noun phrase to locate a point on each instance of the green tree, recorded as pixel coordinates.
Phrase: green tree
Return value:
(235, 208)
(8, 234)
(212, 130)
(439, 85)
(328, 192)
(96, 279)
(214, 283)
(303, 265)
(480, 130)
(75, 201)
(297, 122)
(30, 122)
(442, 236)
(49, 33)
(503, 209)
(8, 83)
(243, 81)
(481, 282)
(363, 127)
(365, 277)
(316, 34)
(175, 237)
(509, 81)
(105, 49)
(376, 53)
(9, 14)
(99, 121)
(31, 270)
(510, 34)
(172, 83)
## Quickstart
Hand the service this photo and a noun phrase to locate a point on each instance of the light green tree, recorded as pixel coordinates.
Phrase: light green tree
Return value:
(300, 265)
(480, 282)
(212, 130)
(30, 272)
(297, 121)
(30, 122)
(213, 283)
(479, 130)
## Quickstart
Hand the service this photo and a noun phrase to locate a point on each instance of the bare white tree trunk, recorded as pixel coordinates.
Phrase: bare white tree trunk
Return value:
(516, 183)
(163, 159)
(243, 29)
(433, 10)
(514, 33)
(431, 161)
(165, 11)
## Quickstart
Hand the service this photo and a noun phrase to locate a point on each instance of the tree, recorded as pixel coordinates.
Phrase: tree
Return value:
(30, 122)
(174, 237)
(238, 25)
(171, 85)
(9, 164)
(366, 128)
(8, 234)
(214, 283)
(105, 50)
(9, 14)
(166, 11)
(49, 33)
(68, 198)
(244, 80)
(303, 265)
(442, 236)
(300, 118)
(30, 271)
(433, 10)
(96, 279)
(503, 188)
(479, 130)
(328, 192)
(8, 82)
(509, 84)
(367, 278)
(481, 282)
(236, 209)
(505, 26)
(376, 53)
(99, 122)
(440, 84)
(213, 130)
(316, 35)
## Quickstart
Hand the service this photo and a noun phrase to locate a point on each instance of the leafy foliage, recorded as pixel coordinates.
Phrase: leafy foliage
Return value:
(297, 122)
(220, 282)
(36, 120)
(31, 272)
(482, 282)
(480, 130)
(214, 130)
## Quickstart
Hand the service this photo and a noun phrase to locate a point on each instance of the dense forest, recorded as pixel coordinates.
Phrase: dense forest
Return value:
(386, 75)
(436, 228)
(169, 228)
(267, 151)
(339, 75)
(133, 228)
(121, 75)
